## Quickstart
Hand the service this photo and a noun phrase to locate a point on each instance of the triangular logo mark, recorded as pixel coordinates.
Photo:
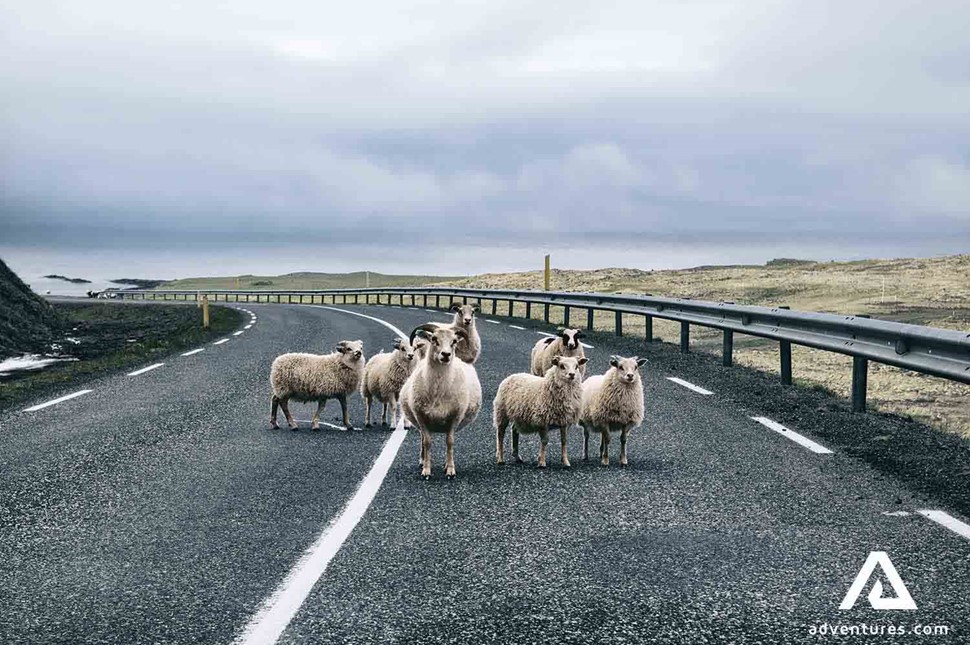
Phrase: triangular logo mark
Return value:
(902, 600)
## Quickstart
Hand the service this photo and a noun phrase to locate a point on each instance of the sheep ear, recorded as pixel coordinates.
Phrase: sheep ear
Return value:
(614, 361)
(555, 360)
(641, 362)
(341, 347)
(397, 343)
(583, 360)
(456, 307)
(424, 331)
(460, 333)
(560, 331)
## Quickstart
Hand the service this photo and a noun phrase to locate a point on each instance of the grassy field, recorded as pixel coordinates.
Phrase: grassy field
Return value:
(933, 291)
(115, 337)
(306, 280)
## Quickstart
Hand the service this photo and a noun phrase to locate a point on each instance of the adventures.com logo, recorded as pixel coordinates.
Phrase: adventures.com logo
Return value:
(899, 600)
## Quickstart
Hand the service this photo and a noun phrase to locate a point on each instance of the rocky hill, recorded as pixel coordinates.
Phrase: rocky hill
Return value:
(28, 323)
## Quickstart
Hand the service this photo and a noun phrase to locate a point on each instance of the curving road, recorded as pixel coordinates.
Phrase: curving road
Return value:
(159, 508)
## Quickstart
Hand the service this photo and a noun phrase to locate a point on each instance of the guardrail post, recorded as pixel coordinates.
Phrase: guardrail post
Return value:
(464, 300)
(528, 310)
(494, 306)
(784, 348)
(727, 348)
(589, 319)
(413, 300)
(648, 328)
(860, 378)
(545, 312)
(684, 337)
(565, 316)
(437, 302)
(619, 323)
(510, 308)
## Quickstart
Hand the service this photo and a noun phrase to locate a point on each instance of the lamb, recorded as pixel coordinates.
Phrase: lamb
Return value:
(536, 404)
(384, 375)
(442, 395)
(566, 343)
(471, 347)
(315, 377)
(612, 401)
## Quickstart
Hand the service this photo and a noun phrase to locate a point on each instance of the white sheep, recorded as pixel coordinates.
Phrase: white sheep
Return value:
(442, 395)
(565, 343)
(316, 377)
(471, 347)
(384, 375)
(536, 404)
(612, 401)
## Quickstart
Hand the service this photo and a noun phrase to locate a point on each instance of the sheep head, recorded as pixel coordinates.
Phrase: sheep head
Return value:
(351, 351)
(570, 337)
(627, 369)
(567, 367)
(465, 314)
(441, 339)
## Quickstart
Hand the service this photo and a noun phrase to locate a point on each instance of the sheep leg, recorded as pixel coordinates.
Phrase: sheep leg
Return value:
(285, 404)
(565, 453)
(500, 443)
(585, 443)
(425, 454)
(515, 445)
(543, 442)
(273, 415)
(368, 400)
(450, 462)
(384, 413)
(623, 434)
(605, 446)
(343, 408)
(321, 404)
(392, 404)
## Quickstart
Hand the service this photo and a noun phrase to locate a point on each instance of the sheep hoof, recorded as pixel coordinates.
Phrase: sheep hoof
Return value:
(348, 428)
(368, 425)
(518, 459)
(567, 465)
(542, 466)
(294, 428)
(275, 426)
(623, 464)
(450, 477)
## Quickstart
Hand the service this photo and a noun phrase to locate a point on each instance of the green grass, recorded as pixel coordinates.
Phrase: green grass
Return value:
(116, 337)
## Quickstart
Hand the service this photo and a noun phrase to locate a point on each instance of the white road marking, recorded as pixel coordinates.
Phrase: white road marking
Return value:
(219, 342)
(945, 519)
(542, 333)
(66, 397)
(689, 385)
(279, 609)
(332, 425)
(145, 369)
(237, 333)
(194, 351)
(494, 322)
(794, 436)
(896, 513)
(431, 311)
(517, 327)
(249, 326)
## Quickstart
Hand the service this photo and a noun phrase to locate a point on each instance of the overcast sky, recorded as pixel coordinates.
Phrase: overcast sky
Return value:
(473, 136)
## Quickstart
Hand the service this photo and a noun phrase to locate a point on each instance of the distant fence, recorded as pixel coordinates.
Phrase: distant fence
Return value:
(927, 350)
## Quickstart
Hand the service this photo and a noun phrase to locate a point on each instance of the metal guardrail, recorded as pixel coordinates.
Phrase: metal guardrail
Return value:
(927, 350)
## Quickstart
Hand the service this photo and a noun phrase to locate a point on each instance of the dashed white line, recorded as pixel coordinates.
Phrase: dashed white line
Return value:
(945, 519)
(219, 342)
(794, 436)
(194, 351)
(494, 322)
(145, 369)
(689, 385)
(237, 333)
(249, 326)
(279, 609)
(517, 327)
(542, 333)
(431, 311)
(66, 397)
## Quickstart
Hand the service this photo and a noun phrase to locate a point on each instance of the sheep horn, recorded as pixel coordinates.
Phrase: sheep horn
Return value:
(426, 327)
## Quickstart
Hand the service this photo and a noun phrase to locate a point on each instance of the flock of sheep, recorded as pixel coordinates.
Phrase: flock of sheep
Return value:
(431, 376)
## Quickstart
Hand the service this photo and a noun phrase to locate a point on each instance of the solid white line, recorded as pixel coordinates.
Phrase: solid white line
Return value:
(542, 333)
(145, 369)
(219, 342)
(517, 327)
(194, 351)
(494, 322)
(279, 609)
(431, 311)
(237, 333)
(794, 436)
(689, 385)
(332, 425)
(945, 519)
(66, 397)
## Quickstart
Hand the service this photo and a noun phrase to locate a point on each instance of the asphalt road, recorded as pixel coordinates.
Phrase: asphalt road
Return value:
(159, 508)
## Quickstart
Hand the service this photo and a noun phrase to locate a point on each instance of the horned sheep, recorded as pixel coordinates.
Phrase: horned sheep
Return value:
(316, 377)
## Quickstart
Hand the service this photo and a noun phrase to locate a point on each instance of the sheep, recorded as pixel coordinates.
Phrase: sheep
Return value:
(536, 404)
(442, 395)
(470, 348)
(384, 375)
(315, 377)
(612, 401)
(566, 343)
